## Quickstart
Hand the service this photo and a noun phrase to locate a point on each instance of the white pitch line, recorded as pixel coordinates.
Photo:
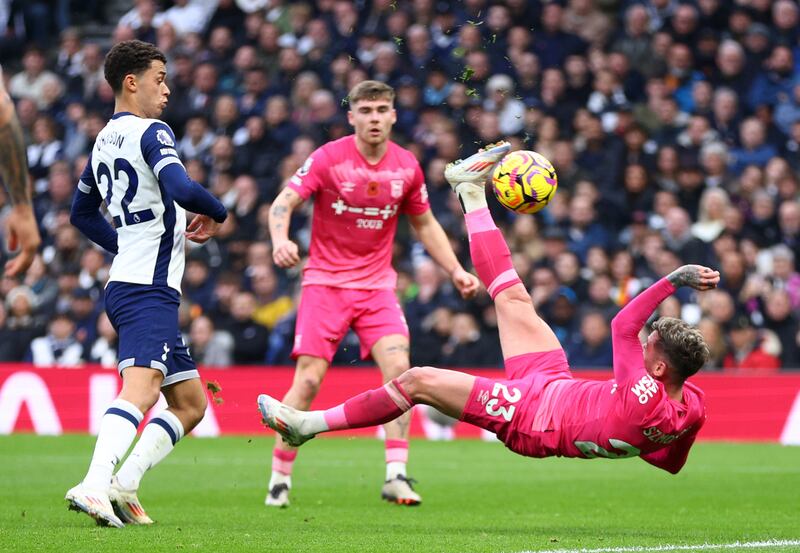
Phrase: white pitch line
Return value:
(699, 547)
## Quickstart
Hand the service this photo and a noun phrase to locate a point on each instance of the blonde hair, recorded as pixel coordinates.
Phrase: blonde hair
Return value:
(370, 90)
(683, 346)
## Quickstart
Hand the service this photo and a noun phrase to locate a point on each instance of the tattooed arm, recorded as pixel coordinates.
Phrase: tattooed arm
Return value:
(695, 276)
(284, 251)
(626, 325)
(22, 229)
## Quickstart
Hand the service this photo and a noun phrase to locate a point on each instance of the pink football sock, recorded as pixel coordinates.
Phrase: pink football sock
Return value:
(370, 408)
(283, 461)
(490, 253)
(397, 451)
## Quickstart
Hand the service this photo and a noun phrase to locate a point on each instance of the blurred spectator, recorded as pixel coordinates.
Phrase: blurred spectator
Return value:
(467, 346)
(272, 303)
(104, 349)
(592, 347)
(22, 324)
(250, 345)
(715, 338)
(754, 150)
(59, 348)
(710, 222)
(500, 98)
(584, 230)
(35, 81)
(210, 347)
(778, 318)
(750, 349)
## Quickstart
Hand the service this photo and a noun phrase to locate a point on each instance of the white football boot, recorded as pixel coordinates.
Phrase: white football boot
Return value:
(477, 167)
(399, 490)
(94, 503)
(285, 420)
(278, 496)
(126, 504)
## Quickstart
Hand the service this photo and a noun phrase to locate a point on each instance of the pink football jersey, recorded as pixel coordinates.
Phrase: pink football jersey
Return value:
(628, 416)
(356, 206)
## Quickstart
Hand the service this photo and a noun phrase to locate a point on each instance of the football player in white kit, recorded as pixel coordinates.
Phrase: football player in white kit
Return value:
(135, 170)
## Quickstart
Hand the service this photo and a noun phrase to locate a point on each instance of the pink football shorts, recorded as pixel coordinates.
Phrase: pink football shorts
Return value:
(325, 313)
(508, 407)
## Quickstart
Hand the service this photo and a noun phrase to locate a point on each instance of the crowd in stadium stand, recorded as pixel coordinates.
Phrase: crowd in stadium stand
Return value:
(674, 128)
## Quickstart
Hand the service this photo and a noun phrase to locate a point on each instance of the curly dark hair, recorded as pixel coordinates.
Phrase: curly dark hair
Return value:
(683, 346)
(129, 57)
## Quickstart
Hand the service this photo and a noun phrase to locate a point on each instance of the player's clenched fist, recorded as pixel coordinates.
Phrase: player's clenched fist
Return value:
(466, 283)
(285, 254)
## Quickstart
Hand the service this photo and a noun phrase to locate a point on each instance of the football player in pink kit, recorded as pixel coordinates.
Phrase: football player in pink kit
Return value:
(360, 184)
(540, 410)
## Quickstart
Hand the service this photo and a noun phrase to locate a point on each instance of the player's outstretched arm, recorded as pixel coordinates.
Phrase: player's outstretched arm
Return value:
(284, 252)
(673, 457)
(695, 276)
(433, 237)
(23, 232)
(626, 325)
(158, 151)
(189, 194)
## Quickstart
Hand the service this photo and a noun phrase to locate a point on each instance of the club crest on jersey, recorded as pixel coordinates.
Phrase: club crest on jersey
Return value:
(373, 188)
(164, 137)
(397, 188)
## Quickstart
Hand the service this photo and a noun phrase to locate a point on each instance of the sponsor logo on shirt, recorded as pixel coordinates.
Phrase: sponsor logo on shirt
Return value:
(483, 397)
(655, 435)
(397, 188)
(387, 211)
(423, 192)
(645, 389)
(164, 137)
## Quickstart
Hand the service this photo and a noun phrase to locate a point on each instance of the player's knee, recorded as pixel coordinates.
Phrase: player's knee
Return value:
(416, 381)
(517, 294)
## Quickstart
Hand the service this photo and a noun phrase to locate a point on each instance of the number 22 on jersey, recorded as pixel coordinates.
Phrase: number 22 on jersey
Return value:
(510, 396)
(104, 177)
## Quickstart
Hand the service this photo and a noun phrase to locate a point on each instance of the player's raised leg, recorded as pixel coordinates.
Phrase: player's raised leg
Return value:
(521, 330)
(187, 405)
(308, 377)
(445, 390)
(118, 428)
(391, 353)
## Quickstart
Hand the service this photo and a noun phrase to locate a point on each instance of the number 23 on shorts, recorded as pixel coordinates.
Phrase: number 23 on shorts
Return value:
(510, 396)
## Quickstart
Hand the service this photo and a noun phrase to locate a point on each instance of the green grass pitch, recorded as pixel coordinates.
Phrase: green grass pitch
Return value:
(478, 497)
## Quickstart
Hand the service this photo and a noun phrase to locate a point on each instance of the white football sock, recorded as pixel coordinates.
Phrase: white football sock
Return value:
(158, 439)
(395, 469)
(279, 478)
(473, 196)
(117, 431)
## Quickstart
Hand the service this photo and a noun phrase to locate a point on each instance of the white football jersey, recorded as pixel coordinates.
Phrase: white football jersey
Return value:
(127, 157)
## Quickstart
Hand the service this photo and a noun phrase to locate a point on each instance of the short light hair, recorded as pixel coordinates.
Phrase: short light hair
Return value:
(370, 90)
(682, 345)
